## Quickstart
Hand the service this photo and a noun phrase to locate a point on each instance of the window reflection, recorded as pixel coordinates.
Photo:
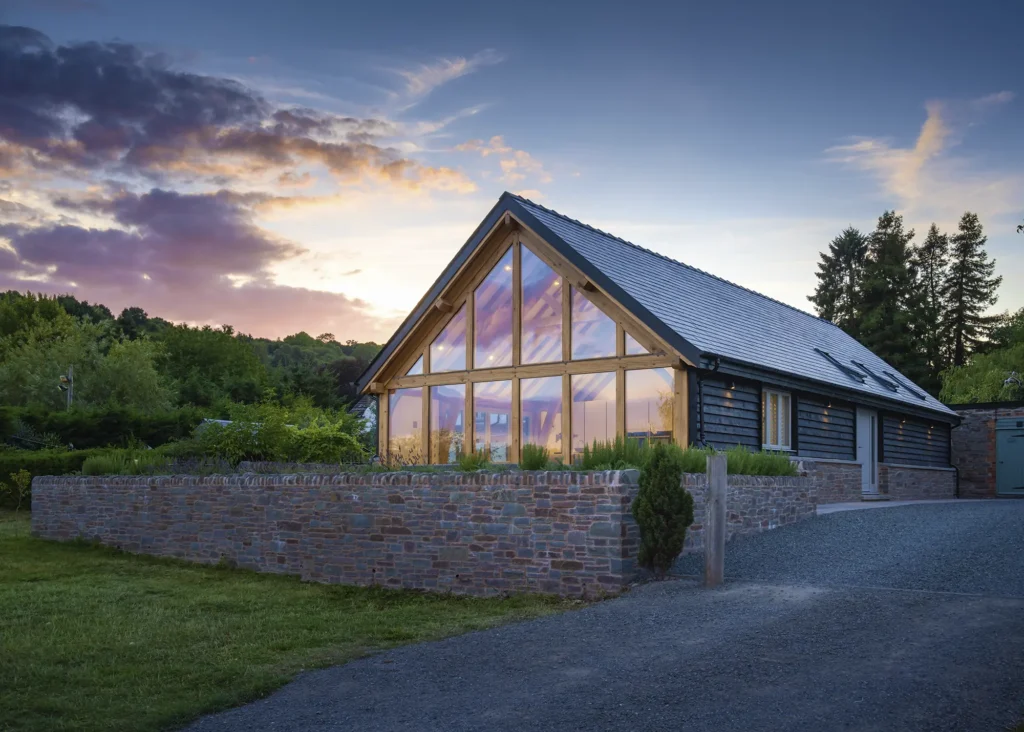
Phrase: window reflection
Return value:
(541, 413)
(492, 417)
(593, 332)
(447, 422)
(448, 351)
(633, 348)
(416, 369)
(593, 409)
(649, 396)
(405, 425)
(492, 304)
(541, 340)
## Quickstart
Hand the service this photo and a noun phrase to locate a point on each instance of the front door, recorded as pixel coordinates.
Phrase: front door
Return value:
(1010, 457)
(867, 449)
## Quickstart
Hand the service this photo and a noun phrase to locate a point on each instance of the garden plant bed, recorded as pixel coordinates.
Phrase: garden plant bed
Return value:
(96, 639)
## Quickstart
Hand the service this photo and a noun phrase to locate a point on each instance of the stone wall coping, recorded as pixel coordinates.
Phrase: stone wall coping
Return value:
(906, 466)
(837, 461)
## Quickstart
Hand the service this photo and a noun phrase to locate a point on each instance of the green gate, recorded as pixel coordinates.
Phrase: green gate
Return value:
(1010, 456)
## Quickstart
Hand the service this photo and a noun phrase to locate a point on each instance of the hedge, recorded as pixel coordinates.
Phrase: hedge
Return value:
(86, 429)
(40, 462)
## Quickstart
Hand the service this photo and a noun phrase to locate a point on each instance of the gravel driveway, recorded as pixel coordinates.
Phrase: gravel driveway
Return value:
(908, 618)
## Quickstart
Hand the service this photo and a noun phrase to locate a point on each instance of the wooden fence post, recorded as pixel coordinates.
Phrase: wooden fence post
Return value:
(714, 521)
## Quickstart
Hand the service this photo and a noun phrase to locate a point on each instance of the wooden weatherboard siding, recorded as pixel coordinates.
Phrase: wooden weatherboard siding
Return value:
(825, 431)
(730, 414)
(910, 441)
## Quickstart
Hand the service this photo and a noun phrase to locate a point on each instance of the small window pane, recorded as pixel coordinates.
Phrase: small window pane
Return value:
(447, 422)
(633, 348)
(448, 351)
(541, 340)
(541, 413)
(593, 409)
(593, 332)
(764, 417)
(492, 304)
(416, 369)
(492, 418)
(773, 419)
(649, 398)
(405, 426)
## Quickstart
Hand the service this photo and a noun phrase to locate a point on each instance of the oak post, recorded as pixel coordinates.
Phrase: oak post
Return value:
(714, 521)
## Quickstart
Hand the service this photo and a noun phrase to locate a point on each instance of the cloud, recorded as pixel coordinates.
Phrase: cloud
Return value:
(111, 107)
(198, 258)
(423, 79)
(515, 165)
(927, 179)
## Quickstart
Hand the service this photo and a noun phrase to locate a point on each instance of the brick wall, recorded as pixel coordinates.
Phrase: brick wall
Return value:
(477, 533)
(754, 504)
(837, 481)
(914, 482)
(974, 449)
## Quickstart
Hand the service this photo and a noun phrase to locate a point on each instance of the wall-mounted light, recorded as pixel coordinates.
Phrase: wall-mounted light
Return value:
(732, 385)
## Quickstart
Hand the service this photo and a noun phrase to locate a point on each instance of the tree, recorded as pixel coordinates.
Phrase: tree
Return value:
(837, 296)
(892, 323)
(932, 262)
(663, 509)
(127, 377)
(971, 289)
(988, 376)
(211, 364)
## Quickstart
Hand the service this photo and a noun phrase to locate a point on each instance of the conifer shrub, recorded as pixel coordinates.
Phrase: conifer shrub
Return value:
(663, 509)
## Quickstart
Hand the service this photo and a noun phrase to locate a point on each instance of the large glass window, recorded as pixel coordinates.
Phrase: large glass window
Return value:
(593, 332)
(633, 348)
(448, 351)
(775, 415)
(447, 422)
(416, 369)
(541, 340)
(541, 413)
(492, 419)
(649, 397)
(593, 409)
(492, 324)
(405, 425)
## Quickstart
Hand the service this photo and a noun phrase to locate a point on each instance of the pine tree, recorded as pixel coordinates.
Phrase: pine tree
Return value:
(836, 298)
(892, 323)
(971, 289)
(932, 262)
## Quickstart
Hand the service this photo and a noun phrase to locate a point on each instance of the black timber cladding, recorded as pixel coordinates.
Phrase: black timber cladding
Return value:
(730, 413)
(909, 441)
(825, 431)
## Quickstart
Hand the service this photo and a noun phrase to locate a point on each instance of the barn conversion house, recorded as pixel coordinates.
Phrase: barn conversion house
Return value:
(545, 331)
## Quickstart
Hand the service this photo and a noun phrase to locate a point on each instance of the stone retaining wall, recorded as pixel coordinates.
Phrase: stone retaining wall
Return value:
(837, 481)
(915, 482)
(754, 504)
(479, 533)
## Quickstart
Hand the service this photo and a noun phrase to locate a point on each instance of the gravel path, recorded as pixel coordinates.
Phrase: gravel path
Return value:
(903, 619)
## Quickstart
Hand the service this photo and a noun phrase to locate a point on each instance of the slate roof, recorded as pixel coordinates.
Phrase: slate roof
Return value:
(696, 312)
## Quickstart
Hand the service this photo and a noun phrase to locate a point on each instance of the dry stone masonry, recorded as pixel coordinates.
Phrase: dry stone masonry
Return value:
(478, 533)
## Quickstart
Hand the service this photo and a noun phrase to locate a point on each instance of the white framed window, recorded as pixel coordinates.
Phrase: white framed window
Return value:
(775, 420)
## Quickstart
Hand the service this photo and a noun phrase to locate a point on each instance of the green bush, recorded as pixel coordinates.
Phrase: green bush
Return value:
(623, 453)
(619, 454)
(16, 490)
(125, 462)
(472, 461)
(324, 443)
(663, 509)
(534, 457)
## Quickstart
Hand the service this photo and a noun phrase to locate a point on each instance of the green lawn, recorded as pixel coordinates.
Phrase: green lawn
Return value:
(92, 639)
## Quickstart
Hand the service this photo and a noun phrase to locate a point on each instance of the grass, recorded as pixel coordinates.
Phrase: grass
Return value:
(94, 639)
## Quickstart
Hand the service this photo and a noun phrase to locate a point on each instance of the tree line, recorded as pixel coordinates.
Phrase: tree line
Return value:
(146, 363)
(924, 308)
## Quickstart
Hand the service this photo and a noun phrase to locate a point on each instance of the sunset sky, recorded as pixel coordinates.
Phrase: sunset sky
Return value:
(314, 165)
